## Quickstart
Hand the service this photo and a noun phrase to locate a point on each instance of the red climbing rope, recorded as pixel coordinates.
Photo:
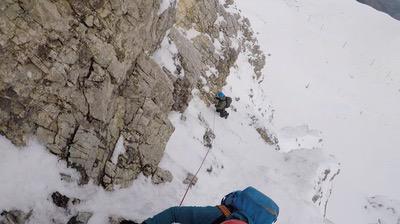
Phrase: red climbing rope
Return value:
(191, 181)
(198, 170)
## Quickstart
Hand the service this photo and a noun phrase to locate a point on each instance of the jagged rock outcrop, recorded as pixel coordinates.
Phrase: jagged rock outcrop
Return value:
(79, 75)
(80, 218)
(190, 180)
(269, 138)
(63, 201)
(208, 138)
(207, 38)
(14, 217)
(60, 200)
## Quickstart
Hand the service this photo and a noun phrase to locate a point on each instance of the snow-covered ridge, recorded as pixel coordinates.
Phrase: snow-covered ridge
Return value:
(391, 7)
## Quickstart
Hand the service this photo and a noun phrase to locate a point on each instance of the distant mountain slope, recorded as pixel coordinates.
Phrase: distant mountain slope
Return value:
(381, 209)
(391, 7)
(333, 66)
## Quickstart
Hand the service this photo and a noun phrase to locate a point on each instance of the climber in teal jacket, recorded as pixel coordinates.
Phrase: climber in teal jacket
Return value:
(238, 207)
(185, 215)
(222, 102)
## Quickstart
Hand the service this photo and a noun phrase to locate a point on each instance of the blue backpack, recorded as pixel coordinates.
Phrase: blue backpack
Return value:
(252, 206)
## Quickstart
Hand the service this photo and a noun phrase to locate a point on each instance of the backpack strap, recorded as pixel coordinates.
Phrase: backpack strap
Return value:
(225, 213)
(225, 210)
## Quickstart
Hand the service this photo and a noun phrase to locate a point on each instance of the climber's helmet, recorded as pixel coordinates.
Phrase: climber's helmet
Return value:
(221, 95)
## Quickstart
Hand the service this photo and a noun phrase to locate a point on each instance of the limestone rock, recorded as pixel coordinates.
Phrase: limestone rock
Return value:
(14, 217)
(77, 75)
(268, 137)
(80, 218)
(182, 94)
(63, 201)
(115, 220)
(161, 176)
(208, 138)
(60, 200)
(198, 54)
(193, 12)
(190, 179)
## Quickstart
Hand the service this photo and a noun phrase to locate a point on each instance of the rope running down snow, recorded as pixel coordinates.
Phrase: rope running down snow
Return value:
(198, 170)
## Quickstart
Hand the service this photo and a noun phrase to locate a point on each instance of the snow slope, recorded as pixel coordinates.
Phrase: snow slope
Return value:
(239, 157)
(334, 66)
(380, 209)
(331, 84)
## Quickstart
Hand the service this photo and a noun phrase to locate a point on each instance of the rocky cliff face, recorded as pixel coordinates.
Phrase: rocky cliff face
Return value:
(79, 75)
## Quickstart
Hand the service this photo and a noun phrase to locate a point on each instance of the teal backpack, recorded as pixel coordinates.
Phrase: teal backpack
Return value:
(252, 206)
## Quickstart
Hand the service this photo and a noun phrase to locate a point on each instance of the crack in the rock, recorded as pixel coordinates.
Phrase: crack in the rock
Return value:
(69, 143)
(57, 128)
(110, 154)
(83, 86)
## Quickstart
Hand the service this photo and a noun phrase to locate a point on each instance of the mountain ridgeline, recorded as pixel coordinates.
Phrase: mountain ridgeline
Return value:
(391, 7)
